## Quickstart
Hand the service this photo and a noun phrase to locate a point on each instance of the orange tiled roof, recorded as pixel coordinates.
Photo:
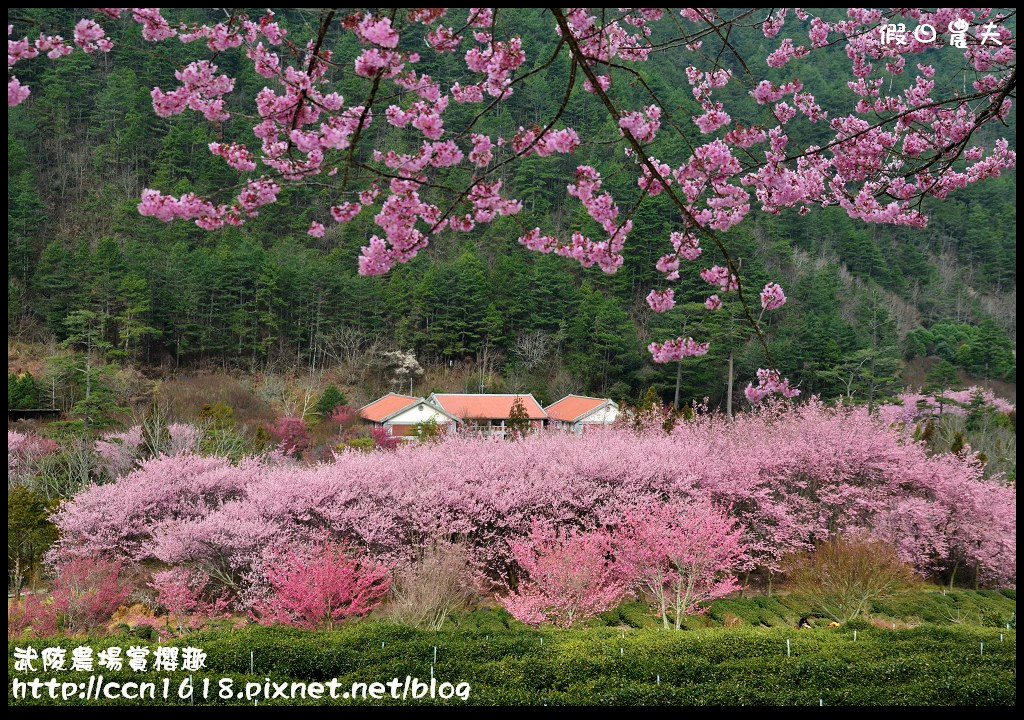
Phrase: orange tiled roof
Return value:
(387, 405)
(572, 407)
(486, 407)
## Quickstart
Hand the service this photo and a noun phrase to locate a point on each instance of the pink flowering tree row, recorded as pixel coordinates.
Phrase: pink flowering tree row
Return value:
(912, 405)
(904, 135)
(679, 558)
(789, 478)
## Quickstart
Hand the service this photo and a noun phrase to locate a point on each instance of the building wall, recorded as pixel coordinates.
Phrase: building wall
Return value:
(419, 413)
(604, 416)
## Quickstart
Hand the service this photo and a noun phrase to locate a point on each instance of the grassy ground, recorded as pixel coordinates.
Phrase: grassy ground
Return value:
(949, 658)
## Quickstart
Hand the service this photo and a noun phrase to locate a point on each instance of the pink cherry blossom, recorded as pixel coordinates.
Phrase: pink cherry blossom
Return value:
(207, 515)
(721, 276)
(772, 297)
(91, 37)
(769, 382)
(661, 300)
(237, 156)
(567, 577)
(377, 31)
(672, 350)
(892, 145)
(16, 92)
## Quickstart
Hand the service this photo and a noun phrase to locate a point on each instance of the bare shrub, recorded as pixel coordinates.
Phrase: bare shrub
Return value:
(183, 397)
(845, 575)
(427, 592)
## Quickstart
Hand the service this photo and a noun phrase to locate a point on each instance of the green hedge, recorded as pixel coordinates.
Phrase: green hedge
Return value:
(931, 665)
(988, 608)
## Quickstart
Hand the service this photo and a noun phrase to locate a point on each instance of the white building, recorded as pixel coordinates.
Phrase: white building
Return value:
(489, 413)
(578, 412)
(400, 414)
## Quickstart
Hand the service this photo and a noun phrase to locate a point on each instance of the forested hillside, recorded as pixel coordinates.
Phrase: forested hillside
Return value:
(86, 269)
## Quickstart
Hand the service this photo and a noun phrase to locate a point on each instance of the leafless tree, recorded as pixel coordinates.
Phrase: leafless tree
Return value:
(533, 348)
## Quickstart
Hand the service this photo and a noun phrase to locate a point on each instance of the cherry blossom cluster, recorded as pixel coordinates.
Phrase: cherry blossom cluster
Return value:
(679, 557)
(237, 156)
(672, 350)
(686, 246)
(905, 135)
(721, 276)
(769, 382)
(772, 296)
(607, 254)
(643, 124)
(611, 41)
(24, 49)
(661, 300)
(533, 140)
(567, 577)
(206, 215)
(201, 89)
(703, 83)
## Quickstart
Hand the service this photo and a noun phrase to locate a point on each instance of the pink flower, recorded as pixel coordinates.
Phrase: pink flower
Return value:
(316, 229)
(430, 125)
(471, 93)
(669, 264)
(345, 212)
(378, 32)
(661, 300)
(154, 26)
(237, 156)
(720, 276)
(567, 577)
(16, 92)
(443, 39)
(772, 297)
(642, 125)
(90, 37)
(481, 155)
(768, 383)
(712, 119)
(672, 350)
(713, 303)
(538, 242)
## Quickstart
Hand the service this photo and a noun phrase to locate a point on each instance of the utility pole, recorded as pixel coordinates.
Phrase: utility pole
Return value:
(679, 379)
(728, 395)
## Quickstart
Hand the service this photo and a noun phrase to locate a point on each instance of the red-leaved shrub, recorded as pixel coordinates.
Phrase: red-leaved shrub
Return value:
(384, 439)
(291, 435)
(85, 595)
(328, 587)
(31, 613)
